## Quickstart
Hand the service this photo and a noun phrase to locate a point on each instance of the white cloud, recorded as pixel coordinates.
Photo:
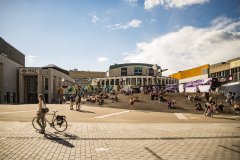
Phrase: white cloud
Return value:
(149, 4)
(30, 58)
(102, 59)
(135, 23)
(153, 20)
(190, 46)
(132, 2)
(94, 17)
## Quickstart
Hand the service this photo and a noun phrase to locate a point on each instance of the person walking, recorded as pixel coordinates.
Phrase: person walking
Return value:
(131, 102)
(78, 102)
(41, 113)
(72, 99)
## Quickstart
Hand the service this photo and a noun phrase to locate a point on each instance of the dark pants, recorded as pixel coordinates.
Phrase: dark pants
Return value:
(41, 120)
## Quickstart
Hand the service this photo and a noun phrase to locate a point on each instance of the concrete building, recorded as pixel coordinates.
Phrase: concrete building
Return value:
(226, 72)
(10, 61)
(134, 74)
(84, 78)
(45, 80)
(194, 75)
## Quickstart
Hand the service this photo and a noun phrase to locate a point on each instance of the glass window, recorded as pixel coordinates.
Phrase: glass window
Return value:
(123, 71)
(137, 71)
(150, 72)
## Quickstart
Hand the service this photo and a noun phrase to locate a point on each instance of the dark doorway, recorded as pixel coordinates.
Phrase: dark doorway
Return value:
(31, 89)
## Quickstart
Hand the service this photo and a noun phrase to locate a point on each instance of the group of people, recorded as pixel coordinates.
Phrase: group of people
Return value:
(75, 99)
(230, 98)
(210, 105)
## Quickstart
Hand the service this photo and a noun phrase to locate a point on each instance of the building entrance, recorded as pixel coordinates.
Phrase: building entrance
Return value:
(31, 89)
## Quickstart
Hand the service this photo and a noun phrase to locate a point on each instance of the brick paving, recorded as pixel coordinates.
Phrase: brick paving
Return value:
(121, 141)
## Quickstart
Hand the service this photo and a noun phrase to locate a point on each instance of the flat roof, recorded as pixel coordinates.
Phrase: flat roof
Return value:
(56, 68)
(130, 64)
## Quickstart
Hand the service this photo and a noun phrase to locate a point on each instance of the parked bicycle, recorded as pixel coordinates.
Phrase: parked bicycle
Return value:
(58, 122)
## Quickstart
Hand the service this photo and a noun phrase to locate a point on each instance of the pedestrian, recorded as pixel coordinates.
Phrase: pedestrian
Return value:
(41, 113)
(210, 110)
(233, 98)
(198, 106)
(78, 102)
(173, 104)
(221, 106)
(131, 102)
(236, 108)
(206, 95)
(72, 99)
(229, 97)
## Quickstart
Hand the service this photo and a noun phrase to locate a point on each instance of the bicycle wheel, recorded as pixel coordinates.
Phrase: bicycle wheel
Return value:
(60, 125)
(35, 124)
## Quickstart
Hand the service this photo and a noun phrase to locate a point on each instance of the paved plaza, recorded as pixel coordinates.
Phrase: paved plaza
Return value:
(108, 133)
(18, 140)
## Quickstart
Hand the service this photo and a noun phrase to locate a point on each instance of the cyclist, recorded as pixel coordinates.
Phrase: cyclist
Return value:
(41, 114)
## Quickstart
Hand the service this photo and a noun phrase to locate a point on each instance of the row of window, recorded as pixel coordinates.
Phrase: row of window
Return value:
(225, 73)
(137, 71)
(138, 81)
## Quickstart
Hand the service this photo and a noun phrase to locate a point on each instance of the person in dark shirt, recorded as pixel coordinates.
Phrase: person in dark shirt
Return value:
(221, 106)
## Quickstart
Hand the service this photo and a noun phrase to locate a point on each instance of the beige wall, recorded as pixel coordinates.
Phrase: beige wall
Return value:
(233, 63)
(86, 74)
(8, 77)
(54, 82)
(219, 67)
(116, 72)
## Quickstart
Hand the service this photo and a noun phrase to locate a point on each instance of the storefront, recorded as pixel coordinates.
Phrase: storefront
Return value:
(45, 80)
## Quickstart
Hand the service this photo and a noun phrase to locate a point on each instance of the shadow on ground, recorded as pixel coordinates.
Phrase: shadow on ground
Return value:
(58, 139)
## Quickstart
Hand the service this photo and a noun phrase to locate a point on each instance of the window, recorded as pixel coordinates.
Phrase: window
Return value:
(234, 70)
(123, 71)
(150, 72)
(137, 71)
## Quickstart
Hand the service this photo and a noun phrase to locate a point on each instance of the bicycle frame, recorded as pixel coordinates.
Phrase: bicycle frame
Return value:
(53, 118)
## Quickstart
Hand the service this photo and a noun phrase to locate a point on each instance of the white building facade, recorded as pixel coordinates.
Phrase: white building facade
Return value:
(134, 74)
(45, 80)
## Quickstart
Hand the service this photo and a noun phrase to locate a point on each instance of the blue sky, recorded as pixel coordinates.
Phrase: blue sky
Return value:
(93, 34)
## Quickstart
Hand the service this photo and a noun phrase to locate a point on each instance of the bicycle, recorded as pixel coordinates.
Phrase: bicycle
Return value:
(58, 122)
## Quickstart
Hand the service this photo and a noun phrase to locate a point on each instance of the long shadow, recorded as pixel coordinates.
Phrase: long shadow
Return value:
(155, 138)
(67, 135)
(84, 111)
(229, 148)
(236, 146)
(57, 139)
(223, 118)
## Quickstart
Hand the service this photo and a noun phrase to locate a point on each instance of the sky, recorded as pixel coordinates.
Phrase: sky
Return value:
(91, 35)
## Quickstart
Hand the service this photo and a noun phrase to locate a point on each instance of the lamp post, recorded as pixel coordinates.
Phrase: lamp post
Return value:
(159, 71)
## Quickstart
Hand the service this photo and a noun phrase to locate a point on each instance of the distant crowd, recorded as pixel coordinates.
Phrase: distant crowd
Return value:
(202, 101)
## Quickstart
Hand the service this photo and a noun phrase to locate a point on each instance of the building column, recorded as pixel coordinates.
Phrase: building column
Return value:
(142, 81)
(21, 88)
(50, 85)
(114, 81)
(39, 84)
(55, 87)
